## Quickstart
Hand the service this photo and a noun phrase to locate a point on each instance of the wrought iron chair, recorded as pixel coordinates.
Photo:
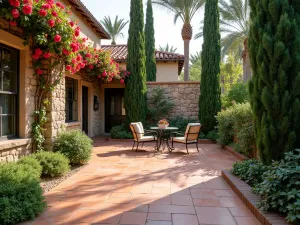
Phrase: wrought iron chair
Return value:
(139, 135)
(189, 137)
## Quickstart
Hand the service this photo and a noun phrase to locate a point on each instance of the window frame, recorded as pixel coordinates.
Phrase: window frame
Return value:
(76, 101)
(16, 94)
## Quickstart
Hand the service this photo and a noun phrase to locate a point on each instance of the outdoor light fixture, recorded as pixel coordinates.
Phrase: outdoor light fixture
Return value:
(96, 103)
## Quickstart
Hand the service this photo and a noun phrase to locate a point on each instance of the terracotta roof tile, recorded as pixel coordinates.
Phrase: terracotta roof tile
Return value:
(119, 54)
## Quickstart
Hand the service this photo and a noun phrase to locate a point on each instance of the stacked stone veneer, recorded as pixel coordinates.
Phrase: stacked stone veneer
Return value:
(184, 95)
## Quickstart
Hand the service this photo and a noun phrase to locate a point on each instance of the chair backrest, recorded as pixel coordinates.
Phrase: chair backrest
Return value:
(141, 127)
(192, 131)
(136, 131)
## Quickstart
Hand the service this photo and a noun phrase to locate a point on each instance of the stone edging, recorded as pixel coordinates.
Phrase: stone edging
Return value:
(236, 154)
(243, 190)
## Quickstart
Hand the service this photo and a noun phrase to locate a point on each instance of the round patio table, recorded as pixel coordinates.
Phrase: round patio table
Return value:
(163, 135)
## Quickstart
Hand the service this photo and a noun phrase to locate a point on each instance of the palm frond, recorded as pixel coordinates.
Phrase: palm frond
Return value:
(114, 28)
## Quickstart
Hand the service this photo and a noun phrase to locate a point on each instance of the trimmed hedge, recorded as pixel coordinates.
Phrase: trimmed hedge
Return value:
(54, 164)
(21, 197)
(120, 132)
(75, 145)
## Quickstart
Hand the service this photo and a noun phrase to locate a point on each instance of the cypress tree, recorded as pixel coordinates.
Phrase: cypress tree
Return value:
(274, 48)
(135, 91)
(210, 91)
(150, 44)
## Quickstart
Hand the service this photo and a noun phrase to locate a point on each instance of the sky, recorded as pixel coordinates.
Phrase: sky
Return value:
(165, 30)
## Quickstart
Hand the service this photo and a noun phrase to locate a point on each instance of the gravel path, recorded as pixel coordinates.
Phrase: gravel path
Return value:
(48, 183)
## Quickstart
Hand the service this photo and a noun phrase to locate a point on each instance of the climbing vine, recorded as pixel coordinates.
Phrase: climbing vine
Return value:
(57, 45)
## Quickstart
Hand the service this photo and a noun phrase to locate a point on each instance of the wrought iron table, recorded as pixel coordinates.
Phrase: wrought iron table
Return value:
(163, 135)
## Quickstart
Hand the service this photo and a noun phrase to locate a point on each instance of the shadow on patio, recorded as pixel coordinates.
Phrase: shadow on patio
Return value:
(120, 186)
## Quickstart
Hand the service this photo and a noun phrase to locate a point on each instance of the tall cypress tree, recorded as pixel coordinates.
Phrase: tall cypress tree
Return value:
(274, 47)
(210, 91)
(135, 91)
(150, 44)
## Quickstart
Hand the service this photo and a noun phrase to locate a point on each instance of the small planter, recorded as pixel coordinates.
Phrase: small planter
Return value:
(163, 126)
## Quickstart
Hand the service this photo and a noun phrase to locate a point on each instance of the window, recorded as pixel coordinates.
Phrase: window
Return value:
(71, 99)
(9, 59)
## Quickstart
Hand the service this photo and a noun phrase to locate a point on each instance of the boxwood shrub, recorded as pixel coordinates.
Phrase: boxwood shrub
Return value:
(21, 196)
(54, 164)
(120, 132)
(32, 162)
(75, 145)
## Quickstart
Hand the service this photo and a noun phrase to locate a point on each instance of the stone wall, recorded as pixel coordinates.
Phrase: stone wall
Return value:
(184, 95)
(12, 150)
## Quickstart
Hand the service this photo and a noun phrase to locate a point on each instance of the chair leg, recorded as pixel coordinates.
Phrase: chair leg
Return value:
(143, 144)
(197, 146)
(133, 145)
(137, 147)
(186, 146)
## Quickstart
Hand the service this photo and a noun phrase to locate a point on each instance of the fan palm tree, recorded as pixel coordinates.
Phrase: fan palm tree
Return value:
(167, 48)
(185, 10)
(114, 29)
(195, 58)
(234, 26)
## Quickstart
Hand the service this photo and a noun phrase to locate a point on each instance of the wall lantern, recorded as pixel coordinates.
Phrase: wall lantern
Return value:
(96, 103)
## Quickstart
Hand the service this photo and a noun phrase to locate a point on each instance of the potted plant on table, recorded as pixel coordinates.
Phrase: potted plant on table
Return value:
(163, 124)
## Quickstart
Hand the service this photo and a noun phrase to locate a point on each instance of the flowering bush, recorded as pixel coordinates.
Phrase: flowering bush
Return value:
(56, 41)
(163, 121)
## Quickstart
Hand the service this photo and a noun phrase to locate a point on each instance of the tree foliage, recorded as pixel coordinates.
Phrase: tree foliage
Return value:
(167, 48)
(150, 44)
(210, 101)
(231, 73)
(135, 91)
(114, 28)
(274, 46)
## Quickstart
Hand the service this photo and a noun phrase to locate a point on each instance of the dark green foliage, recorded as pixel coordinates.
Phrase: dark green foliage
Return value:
(181, 123)
(120, 132)
(54, 164)
(160, 105)
(274, 46)
(251, 171)
(210, 100)
(21, 196)
(237, 94)
(280, 189)
(32, 162)
(135, 91)
(75, 145)
(237, 120)
(150, 44)
(213, 135)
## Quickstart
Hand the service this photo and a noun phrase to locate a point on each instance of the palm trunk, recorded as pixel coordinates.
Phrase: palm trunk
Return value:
(186, 60)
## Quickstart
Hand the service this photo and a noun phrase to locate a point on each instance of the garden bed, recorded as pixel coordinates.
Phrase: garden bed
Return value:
(49, 183)
(243, 190)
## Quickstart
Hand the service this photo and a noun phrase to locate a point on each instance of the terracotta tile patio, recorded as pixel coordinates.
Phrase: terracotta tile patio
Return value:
(121, 186)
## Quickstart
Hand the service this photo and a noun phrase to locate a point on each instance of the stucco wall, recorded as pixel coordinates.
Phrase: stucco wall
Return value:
(184, 95)
(86, 28)
(165, 71)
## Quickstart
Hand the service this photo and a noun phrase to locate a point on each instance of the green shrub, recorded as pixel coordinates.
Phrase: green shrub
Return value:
(32, 162)
(213, 135)
(237, 120)
(225, 120)
(160, 105)
(75, 145)
(21, 197)
(120, 132)
(54, 164)
(250, 171)
(280, 189)
(181, 123)
(237, 94)
(244, 130)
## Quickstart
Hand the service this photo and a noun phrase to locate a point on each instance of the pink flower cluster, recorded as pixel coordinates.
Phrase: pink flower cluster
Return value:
(78, 55)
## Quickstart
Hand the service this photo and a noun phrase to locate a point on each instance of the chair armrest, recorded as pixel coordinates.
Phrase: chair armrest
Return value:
(154, 133)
